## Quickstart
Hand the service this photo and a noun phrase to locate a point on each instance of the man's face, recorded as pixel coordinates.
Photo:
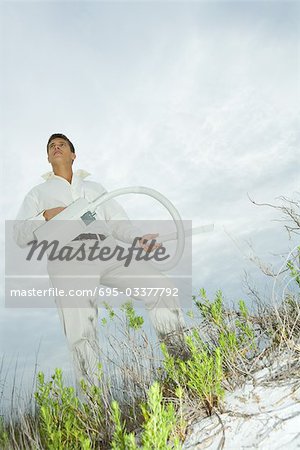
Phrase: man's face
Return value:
(59, 151)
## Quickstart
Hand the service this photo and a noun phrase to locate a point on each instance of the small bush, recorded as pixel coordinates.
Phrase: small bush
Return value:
(60, 417)
(133, 320)
(3, 434)
(201, 374)
(160, 420)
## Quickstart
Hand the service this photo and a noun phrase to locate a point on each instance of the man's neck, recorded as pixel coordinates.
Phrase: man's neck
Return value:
(64, 172)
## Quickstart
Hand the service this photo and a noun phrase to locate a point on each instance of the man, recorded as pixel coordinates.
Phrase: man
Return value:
(79, 315)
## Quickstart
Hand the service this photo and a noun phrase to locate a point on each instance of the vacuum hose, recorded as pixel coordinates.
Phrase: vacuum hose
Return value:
(173, 261)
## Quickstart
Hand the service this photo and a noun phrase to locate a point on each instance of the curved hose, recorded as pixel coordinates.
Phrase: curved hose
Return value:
(166, 266)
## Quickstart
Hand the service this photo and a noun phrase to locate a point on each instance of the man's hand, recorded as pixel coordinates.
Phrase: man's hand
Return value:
(145, 246)
(49, 213)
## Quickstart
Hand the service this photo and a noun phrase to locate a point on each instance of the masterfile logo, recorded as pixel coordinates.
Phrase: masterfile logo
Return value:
(85, 264)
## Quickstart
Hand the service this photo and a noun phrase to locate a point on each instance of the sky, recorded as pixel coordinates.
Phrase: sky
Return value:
(199, 100)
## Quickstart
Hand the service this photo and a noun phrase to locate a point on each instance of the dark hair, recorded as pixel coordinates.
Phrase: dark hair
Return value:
(61, 136)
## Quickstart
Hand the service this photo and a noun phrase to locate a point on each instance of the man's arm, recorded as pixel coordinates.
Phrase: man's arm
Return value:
(26, 221)
(52, 212)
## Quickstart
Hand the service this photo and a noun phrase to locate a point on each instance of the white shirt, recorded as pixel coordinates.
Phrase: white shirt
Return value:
(57, 191)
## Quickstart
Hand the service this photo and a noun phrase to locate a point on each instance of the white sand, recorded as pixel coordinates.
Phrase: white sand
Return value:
(263, 414)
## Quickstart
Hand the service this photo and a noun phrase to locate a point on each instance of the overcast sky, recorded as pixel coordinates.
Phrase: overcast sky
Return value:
(199, 100)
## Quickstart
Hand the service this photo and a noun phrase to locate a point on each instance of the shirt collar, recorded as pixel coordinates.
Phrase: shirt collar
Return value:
(78, 173)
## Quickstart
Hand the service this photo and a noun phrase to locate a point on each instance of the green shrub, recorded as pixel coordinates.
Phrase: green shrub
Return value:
(235, 331)
(3, 434)
(60, 418)
(212, 311)
(294, 271)
(229, 336)
(202, 373)
(160, 420)
(67, 424)
(133, 320)
(121, 439)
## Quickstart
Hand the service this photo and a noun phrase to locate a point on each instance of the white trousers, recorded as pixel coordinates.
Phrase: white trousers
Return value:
(79, 313)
